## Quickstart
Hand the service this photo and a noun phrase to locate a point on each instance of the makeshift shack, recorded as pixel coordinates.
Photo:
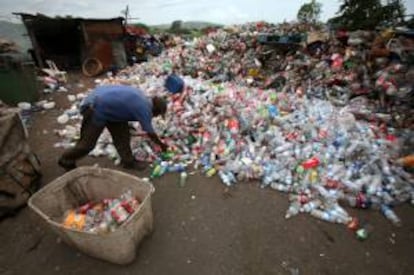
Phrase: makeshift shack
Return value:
(96, 45)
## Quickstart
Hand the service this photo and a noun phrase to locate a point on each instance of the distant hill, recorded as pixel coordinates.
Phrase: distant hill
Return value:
(189, 25)
(16, 33)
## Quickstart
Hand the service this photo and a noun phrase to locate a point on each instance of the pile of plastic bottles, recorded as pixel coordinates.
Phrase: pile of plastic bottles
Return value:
(102, 217)
(285, 135)
(316, 152)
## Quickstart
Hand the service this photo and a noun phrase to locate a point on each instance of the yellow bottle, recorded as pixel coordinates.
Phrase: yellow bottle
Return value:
(313, 177)
(211, 172)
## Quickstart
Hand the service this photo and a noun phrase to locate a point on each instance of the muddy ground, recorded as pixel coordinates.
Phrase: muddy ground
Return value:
(200, 229)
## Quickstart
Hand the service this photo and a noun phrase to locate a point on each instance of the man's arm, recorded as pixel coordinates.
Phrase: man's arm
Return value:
(154, 137)
(146, 124)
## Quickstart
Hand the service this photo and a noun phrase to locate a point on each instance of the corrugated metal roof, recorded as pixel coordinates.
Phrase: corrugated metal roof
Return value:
(65, 18)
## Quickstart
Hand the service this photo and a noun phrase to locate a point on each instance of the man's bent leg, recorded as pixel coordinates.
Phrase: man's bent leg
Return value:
(88, 136)
(122, 142)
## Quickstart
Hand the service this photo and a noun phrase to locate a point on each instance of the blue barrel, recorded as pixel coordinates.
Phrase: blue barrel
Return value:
(174, 84)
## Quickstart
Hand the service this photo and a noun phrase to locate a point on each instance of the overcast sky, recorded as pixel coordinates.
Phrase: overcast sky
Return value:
(165, 11)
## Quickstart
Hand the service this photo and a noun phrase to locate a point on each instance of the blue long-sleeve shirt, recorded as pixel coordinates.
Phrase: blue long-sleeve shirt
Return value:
(117, 103)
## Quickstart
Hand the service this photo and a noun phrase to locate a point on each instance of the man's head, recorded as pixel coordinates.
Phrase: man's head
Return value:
(159, 106)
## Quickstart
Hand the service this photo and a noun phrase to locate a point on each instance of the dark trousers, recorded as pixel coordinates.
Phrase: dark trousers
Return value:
(89, 135)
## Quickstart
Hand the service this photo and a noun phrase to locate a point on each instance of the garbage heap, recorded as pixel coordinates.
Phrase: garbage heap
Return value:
(291, 58)
(286, 138)
(234, 53)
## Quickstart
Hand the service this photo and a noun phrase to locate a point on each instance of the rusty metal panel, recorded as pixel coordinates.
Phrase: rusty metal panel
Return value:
(101, 49)
(98, 37)
(109, 29)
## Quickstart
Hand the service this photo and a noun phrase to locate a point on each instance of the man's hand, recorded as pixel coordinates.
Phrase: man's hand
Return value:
(164, 147)
(156, 140)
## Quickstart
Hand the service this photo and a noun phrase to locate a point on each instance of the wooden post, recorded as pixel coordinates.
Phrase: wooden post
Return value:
(29, 27)
(36, 49)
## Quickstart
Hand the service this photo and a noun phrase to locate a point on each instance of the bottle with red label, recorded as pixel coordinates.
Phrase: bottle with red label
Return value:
(311, 163)
(359, 201)
(118, 212)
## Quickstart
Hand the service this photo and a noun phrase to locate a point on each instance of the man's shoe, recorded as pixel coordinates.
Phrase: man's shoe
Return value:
(67, 165)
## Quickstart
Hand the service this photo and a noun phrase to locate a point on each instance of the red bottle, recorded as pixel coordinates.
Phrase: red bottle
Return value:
(311, 163)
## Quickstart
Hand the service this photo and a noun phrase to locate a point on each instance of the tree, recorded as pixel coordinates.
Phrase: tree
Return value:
(410, 23)
(176, 26)
(309, 12)
(367, 14)
(393, 12)
(361, 14)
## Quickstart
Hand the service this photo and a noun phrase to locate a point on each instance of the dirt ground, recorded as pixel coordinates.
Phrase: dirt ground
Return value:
(200, 229)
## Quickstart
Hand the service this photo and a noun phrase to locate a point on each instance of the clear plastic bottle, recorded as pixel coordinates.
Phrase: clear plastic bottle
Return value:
(390, 215)
(385, 166)
(284, 147)
(339, 215)
(280, 187)
(322, 215)
(183, 178)
(224, 178)
(312, 205)
(289, 177)
(374, 185)
(293, 210)
(266, 181)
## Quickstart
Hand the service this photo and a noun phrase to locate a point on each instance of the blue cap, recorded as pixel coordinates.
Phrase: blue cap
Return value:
(174, 84)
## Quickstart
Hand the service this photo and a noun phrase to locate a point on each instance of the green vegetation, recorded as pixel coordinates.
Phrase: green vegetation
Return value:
(143, 26)
(309, 12)
(368, 14)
